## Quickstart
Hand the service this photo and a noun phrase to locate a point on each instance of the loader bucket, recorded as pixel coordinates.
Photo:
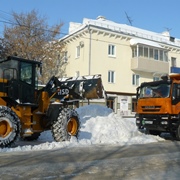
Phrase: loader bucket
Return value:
(85, 87)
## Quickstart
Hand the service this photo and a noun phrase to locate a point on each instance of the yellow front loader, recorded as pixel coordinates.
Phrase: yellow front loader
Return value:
(26, 111)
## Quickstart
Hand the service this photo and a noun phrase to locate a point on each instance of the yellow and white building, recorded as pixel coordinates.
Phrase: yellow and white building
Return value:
(124, 55)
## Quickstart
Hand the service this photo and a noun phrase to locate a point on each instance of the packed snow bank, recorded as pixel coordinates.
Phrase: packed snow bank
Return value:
(99, 125)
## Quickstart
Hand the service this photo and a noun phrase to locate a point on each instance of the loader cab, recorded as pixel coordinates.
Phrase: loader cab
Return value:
(21, 76)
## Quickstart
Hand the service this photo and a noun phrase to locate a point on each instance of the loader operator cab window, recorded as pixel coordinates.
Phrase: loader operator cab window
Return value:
(26, 72)
(8, 69)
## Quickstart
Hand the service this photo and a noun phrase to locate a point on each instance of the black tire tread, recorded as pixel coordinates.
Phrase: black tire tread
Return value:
(59, 127)
(11, 115)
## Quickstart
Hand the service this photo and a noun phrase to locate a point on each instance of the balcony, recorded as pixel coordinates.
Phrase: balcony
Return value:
(175, 70)
(148, 65)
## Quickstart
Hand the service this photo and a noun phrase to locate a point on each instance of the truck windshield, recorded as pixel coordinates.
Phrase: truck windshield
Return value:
(155, 91)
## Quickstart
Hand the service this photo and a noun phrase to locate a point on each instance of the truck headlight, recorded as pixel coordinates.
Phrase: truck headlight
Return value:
(164, 122)
(137, 121)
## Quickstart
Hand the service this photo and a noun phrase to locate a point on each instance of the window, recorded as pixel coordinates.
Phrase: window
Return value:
(150, 53)
(146, 52)
(140, 51)
(111, 77)
(77, 51)
(134, 52)
(26, 72)
(62, 57)
(166, 56)
(135, 79)
(77, 74)
(173, 62)
(65, 58)
(156, 54)
(161, 55)
(111, 50)
(151, 56)
(134, 104)
(161, 90)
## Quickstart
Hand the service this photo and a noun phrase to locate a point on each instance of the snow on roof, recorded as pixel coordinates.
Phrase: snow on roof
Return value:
(102, 22)
(136, 41)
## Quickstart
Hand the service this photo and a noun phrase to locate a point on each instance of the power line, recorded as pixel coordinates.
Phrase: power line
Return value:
(22, 25)
(12, 23)
(8, 21)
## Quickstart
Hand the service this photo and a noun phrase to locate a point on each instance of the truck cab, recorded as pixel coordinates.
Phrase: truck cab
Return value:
(158, 106)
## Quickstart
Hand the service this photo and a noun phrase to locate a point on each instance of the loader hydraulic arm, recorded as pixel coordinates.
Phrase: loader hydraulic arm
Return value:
(52, 83)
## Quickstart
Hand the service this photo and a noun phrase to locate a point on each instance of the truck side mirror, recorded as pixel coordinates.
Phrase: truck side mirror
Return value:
(137, 92)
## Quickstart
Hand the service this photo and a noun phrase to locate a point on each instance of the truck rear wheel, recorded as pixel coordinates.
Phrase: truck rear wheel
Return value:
(67, 125)
(9, 126)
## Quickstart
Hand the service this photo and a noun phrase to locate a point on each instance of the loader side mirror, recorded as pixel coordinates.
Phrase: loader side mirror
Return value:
(40, 68)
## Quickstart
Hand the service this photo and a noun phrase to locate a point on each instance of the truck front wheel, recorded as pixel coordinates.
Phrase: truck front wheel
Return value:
(9, 126)
(153, 132)
(178, 133)
(66, 125)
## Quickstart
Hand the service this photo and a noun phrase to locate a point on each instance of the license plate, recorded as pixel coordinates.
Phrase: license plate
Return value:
(148, 122)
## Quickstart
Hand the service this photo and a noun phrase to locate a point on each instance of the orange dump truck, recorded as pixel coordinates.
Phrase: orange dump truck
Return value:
(158, 106)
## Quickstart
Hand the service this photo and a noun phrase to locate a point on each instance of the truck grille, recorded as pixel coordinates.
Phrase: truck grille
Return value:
(151, 108)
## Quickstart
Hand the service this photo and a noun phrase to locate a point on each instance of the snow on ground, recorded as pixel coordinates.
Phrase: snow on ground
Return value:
(99, 125)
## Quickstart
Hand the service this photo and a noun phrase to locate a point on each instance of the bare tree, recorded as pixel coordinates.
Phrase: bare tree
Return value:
(29, 36)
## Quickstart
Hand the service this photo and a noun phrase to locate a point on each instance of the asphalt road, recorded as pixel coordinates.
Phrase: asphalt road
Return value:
(147, 162)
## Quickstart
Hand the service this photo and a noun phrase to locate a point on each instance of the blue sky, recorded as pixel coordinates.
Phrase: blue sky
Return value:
(153, 15)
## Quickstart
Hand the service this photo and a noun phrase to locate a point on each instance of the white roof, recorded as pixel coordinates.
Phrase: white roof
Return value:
(102, 22)
(136, 41)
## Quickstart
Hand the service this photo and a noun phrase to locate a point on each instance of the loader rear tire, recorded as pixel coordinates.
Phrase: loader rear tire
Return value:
(9, 127)
(67, 125)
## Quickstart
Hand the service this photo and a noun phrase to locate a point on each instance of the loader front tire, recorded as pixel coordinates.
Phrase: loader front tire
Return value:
(66, 125)
(9, 127)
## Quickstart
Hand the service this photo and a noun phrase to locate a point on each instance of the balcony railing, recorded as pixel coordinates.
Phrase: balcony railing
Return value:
(148, 65)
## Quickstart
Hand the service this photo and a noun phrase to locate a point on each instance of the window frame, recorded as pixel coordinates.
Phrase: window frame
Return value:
(111, 76)
(111, 50)
(173, 62)
(135, 79)
(78, 51)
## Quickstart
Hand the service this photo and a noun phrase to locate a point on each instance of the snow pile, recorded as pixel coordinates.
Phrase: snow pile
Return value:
(99, 125)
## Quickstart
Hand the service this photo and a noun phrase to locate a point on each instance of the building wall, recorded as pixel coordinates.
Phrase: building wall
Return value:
(97, 57)
(80, 63)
